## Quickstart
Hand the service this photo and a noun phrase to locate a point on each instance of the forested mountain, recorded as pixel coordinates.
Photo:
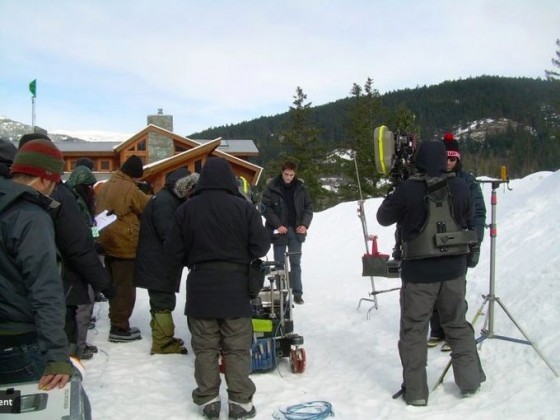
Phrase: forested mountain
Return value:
(498, 120)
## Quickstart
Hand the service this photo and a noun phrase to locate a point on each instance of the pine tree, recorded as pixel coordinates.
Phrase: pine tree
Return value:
(363, 110)
(552, 74)
(301, 144)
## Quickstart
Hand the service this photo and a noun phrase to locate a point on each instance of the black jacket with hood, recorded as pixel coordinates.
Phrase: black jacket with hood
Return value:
(406, 207)
(75, 243)
(31, 293)
(217, 225)
(152, 268)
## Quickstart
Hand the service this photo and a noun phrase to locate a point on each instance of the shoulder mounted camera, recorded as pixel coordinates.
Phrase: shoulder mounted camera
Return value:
(393, 154)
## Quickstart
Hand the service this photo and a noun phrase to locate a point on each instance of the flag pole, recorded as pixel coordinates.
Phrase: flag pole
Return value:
(33, 90)
(33, 113)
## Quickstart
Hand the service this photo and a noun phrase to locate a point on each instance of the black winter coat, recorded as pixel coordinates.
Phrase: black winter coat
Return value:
(74, 240)
(275, 209)
(406, 207)
(31, 294)
(478, 217)
(153, 269)
(217, 224)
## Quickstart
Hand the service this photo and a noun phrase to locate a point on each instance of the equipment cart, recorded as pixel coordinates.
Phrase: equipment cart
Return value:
(273, 323)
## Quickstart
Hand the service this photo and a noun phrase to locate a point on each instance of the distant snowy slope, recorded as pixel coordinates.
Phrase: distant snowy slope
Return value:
(93, 135)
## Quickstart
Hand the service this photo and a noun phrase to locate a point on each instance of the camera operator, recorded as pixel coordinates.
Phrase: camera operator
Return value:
(432, 278)
(477, 221)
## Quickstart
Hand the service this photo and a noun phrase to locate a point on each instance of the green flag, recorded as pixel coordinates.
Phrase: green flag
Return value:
(33, 87)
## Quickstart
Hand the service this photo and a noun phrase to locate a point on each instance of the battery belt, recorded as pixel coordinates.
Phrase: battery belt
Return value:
(220, 266)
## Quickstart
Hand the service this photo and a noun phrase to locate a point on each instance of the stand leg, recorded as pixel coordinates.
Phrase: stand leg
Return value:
(529, 341)
(486, 336)
(373, 300)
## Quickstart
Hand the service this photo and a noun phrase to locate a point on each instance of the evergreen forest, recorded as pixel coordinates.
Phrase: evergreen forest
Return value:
(497, 120)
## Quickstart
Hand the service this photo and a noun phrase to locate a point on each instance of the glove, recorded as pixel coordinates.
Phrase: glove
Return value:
(473, 256)
(58, 368)
(110, 292)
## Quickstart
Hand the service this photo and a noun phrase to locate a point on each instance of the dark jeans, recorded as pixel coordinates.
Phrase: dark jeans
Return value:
(294, 245)
(435, 326)
(23, 363)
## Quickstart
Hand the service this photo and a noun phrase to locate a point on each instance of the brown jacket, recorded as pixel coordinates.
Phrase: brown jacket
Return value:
(121, 195)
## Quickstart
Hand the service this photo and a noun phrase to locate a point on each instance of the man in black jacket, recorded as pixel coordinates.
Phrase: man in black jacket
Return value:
(75, 243)
(288, 212)
(431, 278)
(33, 345)
(216, 234)
(153, 270)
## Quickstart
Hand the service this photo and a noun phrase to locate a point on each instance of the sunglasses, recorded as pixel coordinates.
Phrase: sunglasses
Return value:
(452, 159)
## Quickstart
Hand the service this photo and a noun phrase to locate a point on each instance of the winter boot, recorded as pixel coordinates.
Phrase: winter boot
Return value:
(163, 329)
(119, 335)
(241, 411)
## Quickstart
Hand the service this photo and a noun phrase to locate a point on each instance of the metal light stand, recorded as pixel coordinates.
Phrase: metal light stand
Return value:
(367, 237)
(362, 216)
(373, 293)
(491, 298)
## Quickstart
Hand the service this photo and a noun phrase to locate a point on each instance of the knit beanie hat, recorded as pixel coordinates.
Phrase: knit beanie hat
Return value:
(451, 145)
(133, 167)
(39, 158)
(81, 176)
(32, 136)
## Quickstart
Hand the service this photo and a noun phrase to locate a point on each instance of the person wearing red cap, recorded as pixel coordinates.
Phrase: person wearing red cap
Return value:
(478, 221)
(33, 345)
(75, 244)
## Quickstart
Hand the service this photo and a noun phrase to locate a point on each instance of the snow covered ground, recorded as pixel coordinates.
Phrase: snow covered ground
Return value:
(352, 361)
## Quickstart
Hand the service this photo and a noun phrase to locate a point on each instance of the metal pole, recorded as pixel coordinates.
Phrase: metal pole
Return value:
(362, 215)
(33, 113)
(493, 234)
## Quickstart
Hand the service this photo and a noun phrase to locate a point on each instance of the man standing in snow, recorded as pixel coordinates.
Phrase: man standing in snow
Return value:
(121, 196)
(153, 269)
(288, 212)
(216, 234)
(432, 276)
(478, 222)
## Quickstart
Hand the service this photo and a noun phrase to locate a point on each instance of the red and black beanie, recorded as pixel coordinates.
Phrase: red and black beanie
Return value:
(39, 158)
(451, 145)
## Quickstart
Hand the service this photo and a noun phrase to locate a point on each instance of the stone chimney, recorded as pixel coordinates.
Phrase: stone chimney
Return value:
(161, 120)
(159, 145)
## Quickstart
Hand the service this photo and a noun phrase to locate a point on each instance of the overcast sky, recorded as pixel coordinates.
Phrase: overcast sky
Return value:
(107, 64)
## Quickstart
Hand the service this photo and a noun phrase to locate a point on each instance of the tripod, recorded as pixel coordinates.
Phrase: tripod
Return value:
(367, 237)
(491, 298)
